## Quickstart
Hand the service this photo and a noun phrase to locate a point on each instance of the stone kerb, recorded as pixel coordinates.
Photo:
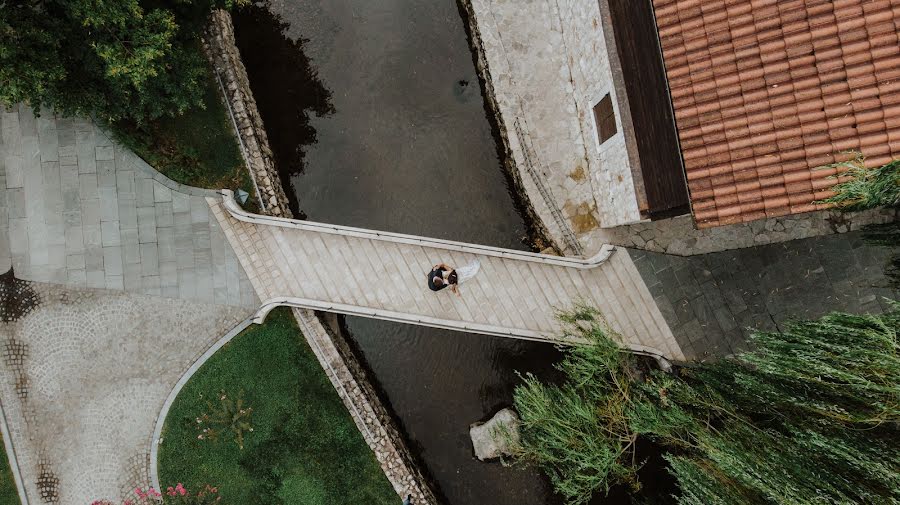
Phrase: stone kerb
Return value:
(139, 164)
(240, 214)
(12, 459)
(170, 400)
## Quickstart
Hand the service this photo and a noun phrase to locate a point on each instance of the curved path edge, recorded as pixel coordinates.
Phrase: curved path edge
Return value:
(11, 456)
(142, 165)
(240, 214)
(170, 400)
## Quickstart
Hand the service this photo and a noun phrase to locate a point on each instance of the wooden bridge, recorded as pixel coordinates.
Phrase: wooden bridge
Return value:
(383, 275)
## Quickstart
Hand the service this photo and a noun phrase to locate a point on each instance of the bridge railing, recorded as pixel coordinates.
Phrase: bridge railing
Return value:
(436, 322)
(240, 214)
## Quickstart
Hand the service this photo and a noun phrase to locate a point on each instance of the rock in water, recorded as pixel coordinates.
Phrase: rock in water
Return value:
(489, 438)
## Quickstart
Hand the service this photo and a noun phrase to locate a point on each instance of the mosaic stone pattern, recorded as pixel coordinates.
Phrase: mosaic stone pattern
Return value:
(712, 301)
(84, 376)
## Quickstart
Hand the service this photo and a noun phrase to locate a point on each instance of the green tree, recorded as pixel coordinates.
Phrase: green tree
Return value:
(870, 188)
(111, 60)
(810, 415)
(866, 188)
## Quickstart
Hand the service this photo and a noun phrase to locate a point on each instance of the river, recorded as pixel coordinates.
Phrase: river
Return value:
(374, 110)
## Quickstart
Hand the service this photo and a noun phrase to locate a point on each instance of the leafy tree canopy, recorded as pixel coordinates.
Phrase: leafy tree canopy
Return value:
(109, 59)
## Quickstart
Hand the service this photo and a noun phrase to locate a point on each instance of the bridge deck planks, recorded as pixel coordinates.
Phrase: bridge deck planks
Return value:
(381, 275)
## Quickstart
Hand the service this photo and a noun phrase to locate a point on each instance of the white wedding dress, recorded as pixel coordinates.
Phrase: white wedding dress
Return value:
(466, 272)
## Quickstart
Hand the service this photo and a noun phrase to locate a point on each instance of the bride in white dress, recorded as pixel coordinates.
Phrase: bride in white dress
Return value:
(443, 275)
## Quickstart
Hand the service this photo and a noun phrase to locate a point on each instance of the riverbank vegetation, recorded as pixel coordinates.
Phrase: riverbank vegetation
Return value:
(198, 147)
(871, 188)
(810, 415)
(135, 67)
(299, 443)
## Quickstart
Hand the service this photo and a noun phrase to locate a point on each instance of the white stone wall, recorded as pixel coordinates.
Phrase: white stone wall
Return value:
(547, 63)
(588, 54)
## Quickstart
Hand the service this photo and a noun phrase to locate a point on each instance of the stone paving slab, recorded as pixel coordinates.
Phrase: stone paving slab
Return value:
(78, 209)
(711, 301)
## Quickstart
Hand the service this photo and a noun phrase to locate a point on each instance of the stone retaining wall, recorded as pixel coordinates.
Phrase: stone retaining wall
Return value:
(333, 352)
(538, 213)
(254, 143)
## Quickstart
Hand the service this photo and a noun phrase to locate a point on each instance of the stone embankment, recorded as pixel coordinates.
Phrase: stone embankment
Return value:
(334, 353)
(254, 143)
(547, 231)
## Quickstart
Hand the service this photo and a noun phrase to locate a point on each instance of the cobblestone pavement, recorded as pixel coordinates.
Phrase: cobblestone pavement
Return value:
(85, 373)
(711, 300)
(79, 210)
(120, 282)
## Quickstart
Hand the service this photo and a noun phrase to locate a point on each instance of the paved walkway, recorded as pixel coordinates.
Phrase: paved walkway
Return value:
(121, 281)
(78, 210)
(382, 275)
(81, 427)
(711, 300)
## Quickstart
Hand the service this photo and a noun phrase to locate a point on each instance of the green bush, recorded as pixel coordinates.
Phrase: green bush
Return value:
(135, 67)
(870, 189)
(197, 148)
(866, 188)
(810, 415)
(304, 447)
(127, 59)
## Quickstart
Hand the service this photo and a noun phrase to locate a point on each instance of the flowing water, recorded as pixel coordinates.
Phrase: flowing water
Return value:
(375, 110)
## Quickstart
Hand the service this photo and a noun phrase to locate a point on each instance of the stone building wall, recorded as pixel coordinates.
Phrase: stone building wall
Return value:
(544, 63)
(334, 354)
(547, 65)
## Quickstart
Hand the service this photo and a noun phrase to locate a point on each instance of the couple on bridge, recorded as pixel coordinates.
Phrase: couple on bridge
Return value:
(443, 275)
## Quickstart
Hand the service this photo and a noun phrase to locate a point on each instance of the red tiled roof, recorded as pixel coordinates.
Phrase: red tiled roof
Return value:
(766, 90)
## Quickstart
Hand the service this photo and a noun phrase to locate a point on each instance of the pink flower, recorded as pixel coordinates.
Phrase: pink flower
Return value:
(140, 493)
(153, 492)
(170, 491)
(180, 489)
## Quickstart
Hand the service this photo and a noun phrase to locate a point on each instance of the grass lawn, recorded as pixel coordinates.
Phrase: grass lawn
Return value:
(8, 493)
(198, 148)
(304, 447)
